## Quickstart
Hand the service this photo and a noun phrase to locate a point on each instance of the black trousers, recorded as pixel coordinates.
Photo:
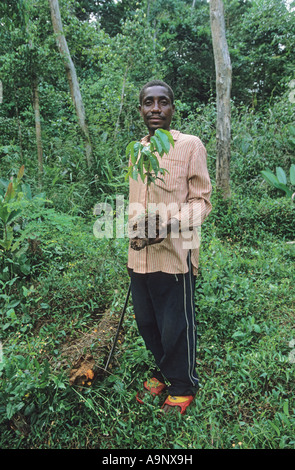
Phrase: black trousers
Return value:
(165, 315)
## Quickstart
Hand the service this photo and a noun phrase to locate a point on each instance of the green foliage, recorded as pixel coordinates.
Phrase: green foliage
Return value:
(244, 327)
(248, 220)
(143, 159)
(279, 180)
(259, 36)
(9, 194)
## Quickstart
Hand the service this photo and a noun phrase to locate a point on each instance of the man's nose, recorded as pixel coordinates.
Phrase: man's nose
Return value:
(156, 107)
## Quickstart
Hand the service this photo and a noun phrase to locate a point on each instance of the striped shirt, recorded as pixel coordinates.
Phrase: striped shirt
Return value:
(185, 195)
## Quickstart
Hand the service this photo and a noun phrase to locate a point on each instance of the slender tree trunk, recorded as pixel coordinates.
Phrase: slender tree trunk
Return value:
(20, 137)
(121, 102)
(71, 75)
(223, 71)
(36, 107)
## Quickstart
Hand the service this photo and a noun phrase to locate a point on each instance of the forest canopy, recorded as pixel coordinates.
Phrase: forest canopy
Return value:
(115, 47)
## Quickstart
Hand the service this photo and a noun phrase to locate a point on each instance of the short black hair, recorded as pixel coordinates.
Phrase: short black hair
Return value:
(156, 83)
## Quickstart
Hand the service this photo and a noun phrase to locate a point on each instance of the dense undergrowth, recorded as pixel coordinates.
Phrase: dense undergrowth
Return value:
(57, 280)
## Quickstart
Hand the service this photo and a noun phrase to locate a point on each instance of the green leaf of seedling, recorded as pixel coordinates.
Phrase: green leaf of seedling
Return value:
(140, 166)
(134, 173)
(163, 139)
(154, 163)
(137, 147)
(150, 178)
(130, 149)
(167, 133)
(161, 179)
(158, 145)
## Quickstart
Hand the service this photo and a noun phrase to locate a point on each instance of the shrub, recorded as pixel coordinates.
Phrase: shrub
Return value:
(247, 219)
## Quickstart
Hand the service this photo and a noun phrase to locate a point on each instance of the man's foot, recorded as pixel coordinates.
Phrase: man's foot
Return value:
(152, 386)
(177, 404)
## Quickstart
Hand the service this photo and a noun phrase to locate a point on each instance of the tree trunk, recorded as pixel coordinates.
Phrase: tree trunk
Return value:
(20, 137)
(121, 102)
(223, 71)
(71, 75)
(36, 107)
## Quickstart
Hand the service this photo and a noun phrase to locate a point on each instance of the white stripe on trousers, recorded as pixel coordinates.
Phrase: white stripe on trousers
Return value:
(191, 366)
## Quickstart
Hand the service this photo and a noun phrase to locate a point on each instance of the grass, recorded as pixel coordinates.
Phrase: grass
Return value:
(245, 315)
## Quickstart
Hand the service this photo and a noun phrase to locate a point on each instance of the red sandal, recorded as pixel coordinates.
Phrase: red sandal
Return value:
(180, 402)
(153, 386)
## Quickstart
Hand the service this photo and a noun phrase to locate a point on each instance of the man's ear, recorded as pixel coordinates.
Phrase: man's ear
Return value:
(139, 109)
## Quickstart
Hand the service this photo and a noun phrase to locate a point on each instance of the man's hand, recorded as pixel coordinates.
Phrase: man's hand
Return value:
(172, 225)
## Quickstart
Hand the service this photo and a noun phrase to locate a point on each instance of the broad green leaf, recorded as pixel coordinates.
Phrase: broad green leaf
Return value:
(154, 163)
(281, 175)
(140, 167)
(26, 189)
(130, 148)
(148, 163)
(128, 172)
(163, 139)
(285, 188)
(13, 215)
(292, 174)
(137, 147)
(270, 178)
(167, 133)
(158, 145)
(134, 173)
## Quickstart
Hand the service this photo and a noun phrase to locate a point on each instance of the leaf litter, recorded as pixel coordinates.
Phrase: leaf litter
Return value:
(85, 356)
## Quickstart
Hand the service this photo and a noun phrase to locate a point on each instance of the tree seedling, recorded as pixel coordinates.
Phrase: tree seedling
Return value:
(144, 163)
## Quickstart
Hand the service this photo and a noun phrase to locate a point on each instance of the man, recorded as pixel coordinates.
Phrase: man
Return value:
(163, 272)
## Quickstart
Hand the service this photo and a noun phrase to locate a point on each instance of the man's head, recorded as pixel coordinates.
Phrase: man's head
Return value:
(156, 105)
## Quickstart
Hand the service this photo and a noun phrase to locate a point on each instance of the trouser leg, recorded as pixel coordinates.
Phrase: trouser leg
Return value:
(165, 315)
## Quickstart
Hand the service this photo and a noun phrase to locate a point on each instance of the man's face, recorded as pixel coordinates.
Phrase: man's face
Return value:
(156, 109)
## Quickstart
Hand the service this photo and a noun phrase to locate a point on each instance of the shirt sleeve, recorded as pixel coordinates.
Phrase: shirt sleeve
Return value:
(198, 205)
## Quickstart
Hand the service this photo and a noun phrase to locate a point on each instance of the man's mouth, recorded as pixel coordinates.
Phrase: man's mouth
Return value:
(155, 118)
